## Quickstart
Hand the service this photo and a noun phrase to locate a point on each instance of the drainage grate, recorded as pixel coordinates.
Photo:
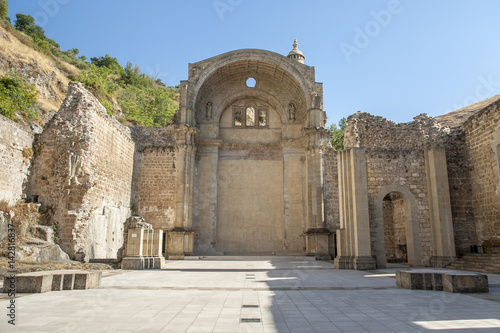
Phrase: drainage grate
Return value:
(250, 320)
(249, 306)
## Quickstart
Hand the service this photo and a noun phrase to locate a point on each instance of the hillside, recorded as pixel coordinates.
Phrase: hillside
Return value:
(36, 62)
(49, 77)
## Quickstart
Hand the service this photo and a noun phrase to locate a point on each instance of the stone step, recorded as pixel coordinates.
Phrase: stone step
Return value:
(41, 282)
(480, 262)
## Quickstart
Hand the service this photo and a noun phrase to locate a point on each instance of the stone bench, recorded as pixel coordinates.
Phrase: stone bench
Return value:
(450, 281)
(41, 282)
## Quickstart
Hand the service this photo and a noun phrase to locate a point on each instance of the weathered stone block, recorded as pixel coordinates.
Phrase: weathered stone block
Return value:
(35, 282)
(133, 263)
(57, 282)
(87, 280)
(465, 283)
(459, 282)
(407, 280)
(68, 281)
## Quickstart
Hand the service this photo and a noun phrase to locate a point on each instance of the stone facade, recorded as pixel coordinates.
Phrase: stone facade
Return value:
(246, 168)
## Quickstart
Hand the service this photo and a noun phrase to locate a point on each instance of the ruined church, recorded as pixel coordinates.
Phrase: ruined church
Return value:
(246, 168)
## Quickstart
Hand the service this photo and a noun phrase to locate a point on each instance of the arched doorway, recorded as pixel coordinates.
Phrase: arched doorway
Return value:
(396, 228)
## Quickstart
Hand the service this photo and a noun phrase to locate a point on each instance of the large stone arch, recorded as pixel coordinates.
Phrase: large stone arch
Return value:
(247, 198)
(412, 227)
(202, 74)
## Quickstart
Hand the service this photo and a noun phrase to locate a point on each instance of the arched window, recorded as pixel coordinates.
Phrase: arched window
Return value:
(250, 117)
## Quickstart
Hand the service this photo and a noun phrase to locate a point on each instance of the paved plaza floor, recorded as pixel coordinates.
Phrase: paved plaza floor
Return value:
(254, 294)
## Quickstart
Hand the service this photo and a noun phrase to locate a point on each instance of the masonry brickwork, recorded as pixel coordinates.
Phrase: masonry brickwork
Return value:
(482, 141)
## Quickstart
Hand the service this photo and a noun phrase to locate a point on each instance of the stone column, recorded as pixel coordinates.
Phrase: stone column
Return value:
(341, 261)
(184, 196)
(443, 242)
(354, 247)
(185, 115)
(316, 233)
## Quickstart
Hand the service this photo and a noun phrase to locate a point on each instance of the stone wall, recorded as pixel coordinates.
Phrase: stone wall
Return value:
(367, 131)
(155, 174)
(464, 223)
(482, 140)
(83, 176)
(402, 172)
(15, 156)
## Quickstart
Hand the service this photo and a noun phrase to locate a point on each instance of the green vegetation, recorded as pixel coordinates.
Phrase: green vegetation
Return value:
(16, 95)
(337, 134)
(4, 9)
(143, 99)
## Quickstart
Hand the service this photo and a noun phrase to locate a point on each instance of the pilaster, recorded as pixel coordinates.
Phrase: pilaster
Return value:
(443, 243)
(316, 233)
(354, 245)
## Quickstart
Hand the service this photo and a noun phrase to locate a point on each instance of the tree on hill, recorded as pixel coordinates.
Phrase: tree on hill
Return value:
(26, 24)
(4, 9)
(337, 134)
(108, 62)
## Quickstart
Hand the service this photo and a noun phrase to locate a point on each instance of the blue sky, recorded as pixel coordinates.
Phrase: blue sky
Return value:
(391, 58)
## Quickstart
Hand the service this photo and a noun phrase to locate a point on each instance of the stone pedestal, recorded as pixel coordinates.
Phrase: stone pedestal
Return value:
(143, 249)
(175, 245)
(317, 243)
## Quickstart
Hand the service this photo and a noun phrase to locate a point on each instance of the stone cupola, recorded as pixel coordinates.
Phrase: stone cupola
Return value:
(296, 53)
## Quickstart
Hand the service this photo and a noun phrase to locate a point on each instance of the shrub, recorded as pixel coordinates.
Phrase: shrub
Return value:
(16, 95)
(337, 134)
(100, 82)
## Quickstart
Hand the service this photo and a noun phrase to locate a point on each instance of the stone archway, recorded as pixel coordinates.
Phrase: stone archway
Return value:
(408, 212)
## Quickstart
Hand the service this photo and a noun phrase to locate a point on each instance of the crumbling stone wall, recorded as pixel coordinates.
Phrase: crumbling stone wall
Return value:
(405, 169)
(365, 130)
(15, 157)
(482, 142)
(395, 158)
(155, 175)
(83, 176)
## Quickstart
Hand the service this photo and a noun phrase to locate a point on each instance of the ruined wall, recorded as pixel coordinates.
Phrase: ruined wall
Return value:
(396, 162)
(155, 175)
(482, 139)
(403, 169)
(15, 154)
(83, 176)
(365, 130)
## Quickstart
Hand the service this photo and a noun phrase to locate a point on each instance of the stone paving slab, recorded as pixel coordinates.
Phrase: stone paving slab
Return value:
(188, 299)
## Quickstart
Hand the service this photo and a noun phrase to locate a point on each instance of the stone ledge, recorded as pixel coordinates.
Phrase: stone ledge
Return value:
(453, 282)
(42, 282)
